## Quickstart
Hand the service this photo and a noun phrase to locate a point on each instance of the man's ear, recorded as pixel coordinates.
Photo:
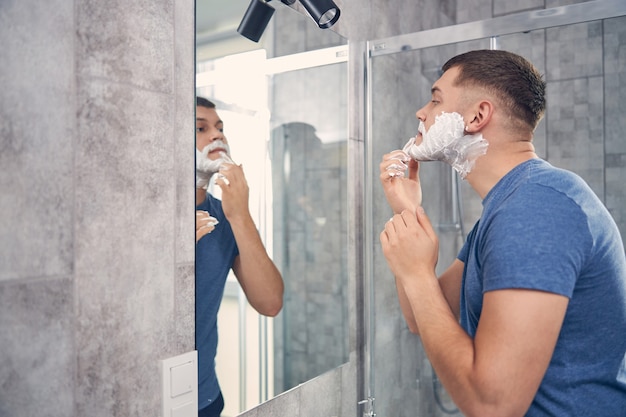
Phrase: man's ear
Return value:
(480, 116)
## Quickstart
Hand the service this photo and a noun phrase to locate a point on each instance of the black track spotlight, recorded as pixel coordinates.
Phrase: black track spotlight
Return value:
(324, 12)
(255, 20)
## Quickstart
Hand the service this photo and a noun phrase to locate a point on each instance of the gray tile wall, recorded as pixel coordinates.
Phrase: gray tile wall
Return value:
(96, 247)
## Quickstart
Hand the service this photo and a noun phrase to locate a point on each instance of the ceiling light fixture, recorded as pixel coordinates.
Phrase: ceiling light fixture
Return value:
(325, 13)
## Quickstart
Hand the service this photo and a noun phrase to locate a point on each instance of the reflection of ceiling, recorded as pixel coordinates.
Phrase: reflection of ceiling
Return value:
(217, 19)
(216, 29)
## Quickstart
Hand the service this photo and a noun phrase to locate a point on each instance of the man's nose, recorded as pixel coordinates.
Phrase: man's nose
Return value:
(216, 135)
(420, 114)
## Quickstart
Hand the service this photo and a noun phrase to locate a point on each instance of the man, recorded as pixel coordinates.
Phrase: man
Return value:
(531, 317)
(226, 238)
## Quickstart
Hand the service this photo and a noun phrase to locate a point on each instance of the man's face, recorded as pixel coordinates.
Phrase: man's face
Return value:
(210, 131)
(442, 132)
(445, 97)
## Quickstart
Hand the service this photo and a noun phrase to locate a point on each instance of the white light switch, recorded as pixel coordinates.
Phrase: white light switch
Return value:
(179, 382)
(182, 378)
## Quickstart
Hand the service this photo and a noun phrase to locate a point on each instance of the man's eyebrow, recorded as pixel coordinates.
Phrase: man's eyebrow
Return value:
(202, 119)
(435, 89)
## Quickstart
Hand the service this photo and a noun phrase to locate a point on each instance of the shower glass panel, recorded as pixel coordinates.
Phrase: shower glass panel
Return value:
(308, 150)
(400, 85)
(584, 64)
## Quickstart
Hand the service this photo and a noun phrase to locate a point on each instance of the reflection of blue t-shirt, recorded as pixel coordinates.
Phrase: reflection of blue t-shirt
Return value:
(215, 254)
(543, 228)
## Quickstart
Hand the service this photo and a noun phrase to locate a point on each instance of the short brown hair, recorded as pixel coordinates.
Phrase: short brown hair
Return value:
(510, 77)
(203, 102)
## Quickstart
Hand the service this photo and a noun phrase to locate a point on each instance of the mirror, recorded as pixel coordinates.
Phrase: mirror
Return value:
(284, 106)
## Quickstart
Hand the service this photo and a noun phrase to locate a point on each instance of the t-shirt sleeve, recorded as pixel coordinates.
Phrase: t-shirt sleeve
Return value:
(464, 252)
(538, 239)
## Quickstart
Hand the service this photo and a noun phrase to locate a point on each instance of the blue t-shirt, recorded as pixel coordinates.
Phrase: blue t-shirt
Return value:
(215, 254)
(543, 228)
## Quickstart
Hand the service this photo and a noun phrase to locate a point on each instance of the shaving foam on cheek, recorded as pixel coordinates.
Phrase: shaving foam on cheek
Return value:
(206, 167)
(446, 141)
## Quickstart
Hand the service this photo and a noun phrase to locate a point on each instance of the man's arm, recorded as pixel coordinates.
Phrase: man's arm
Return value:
(258, 276)
(405, 193)
(499, 371)
(450, 283)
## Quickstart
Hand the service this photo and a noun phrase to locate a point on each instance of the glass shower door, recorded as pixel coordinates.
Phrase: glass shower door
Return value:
(584, 65)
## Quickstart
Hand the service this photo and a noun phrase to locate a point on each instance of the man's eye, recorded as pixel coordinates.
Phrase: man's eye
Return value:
(199, 129)
(434, 101)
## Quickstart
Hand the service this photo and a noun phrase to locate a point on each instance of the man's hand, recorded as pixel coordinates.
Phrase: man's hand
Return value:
(402, 193)
(410, 245)
(204, 224)
(235, 191)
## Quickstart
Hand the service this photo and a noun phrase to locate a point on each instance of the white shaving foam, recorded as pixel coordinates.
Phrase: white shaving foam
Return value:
(446, 141)
(206, 167)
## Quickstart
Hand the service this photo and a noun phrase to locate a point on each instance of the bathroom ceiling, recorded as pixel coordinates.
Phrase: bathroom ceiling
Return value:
(218, 19)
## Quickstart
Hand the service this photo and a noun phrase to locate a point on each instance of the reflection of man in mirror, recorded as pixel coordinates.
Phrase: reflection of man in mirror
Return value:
(226, 238)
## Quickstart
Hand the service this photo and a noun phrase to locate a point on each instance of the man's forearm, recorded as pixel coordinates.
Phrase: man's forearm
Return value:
(256, 272)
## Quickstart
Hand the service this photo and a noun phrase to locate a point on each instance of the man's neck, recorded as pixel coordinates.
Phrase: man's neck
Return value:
(496, 163)
(200, 195)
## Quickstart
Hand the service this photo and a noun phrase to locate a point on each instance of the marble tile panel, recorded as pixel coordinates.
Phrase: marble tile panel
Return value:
(615, 83)
(125, 198)
(574, 51)
(36, 139)
(285, 404)
(349, 399)
(124, 178)
(508, 7)
(616, 193)
(127, 42)
(321, 396)
(435, 14)
(37, 367)
(184, 130)
(184, 311)
(327, 335)
(575, 135)
(351, 12)
(473, 10)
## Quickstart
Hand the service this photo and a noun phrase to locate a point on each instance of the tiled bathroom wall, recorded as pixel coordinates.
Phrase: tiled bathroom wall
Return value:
(96, 203)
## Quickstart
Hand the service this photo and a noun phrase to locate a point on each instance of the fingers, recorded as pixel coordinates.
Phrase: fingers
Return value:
(394, 164)
(414, 169)
(408, 220)
(205, 224)
(424, 221)
(229, 173)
